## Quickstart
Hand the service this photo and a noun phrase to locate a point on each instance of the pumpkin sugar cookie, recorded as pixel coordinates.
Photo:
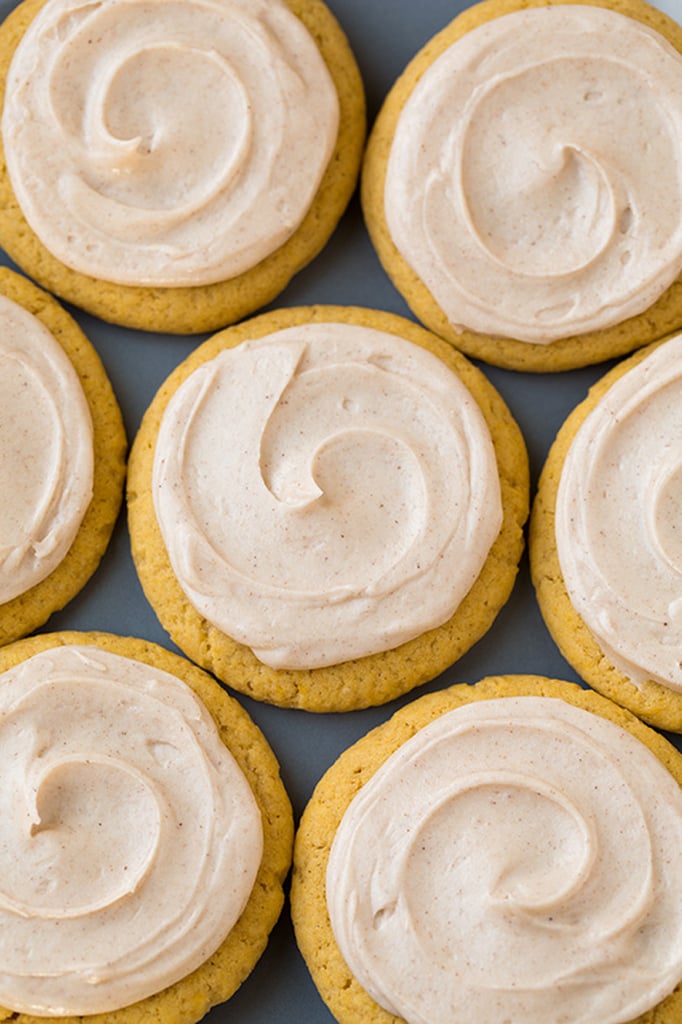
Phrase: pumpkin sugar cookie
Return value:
(521, 182)
(174, 214)
(605, 543)
(465, 861)
(159, 820)
(62, 456)
(326, 506)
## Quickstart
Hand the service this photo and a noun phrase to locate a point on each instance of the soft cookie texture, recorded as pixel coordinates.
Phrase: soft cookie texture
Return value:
(346, 998)
(28, 611)
(369, 680)
(223, 972)
(594, 345)
(650, 700)
(197, 308)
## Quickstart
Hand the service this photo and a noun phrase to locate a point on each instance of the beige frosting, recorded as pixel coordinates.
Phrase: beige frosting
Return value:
(46, 454)
(534, 179)
(129, 838)
(619, 519)
(164, 142)
(516, 860)
(325, 492)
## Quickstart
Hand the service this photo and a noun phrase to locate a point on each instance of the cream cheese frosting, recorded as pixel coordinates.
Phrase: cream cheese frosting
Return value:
(129, 838)
(123, 169)
(325, 492)
(46, 451)
(517, 859)
(619, 515)
(534, 181)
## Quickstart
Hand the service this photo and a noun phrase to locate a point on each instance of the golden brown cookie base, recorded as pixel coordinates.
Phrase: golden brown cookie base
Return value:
(651, 701)
(339, 989)
(663, 317)
(188, 310)
(26, 612)
(219, 977)
(366, 681)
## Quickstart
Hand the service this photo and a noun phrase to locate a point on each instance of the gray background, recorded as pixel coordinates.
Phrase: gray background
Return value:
(384, 35)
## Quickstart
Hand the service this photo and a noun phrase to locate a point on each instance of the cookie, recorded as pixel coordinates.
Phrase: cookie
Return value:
(335, 489)
(491, 820)
(63, 447)
(105, 728)
(494, 189)
(604, 538)
(175, 215)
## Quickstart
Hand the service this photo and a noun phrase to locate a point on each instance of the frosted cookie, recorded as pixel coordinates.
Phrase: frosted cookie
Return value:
(146, 833)
(174, 214)
(512, 183)
(466, 861)
(606, 546)
(62, 457)
(326, 506)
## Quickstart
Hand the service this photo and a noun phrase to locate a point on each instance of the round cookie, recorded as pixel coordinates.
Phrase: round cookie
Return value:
(347, 999)
(499, 346)
(202, 307)
(652, 701)
(364, 681)
(26, 612)
(190, 998)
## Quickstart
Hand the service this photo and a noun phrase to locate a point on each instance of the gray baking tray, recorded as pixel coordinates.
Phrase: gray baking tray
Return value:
(385, 35)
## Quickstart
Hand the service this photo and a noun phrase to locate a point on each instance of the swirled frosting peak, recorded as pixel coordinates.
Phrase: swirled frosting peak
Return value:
(517, 860)
(129, 838)
(534, 180)
(619, 519)
(46, 455)
(167, 142)
(325, 492)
